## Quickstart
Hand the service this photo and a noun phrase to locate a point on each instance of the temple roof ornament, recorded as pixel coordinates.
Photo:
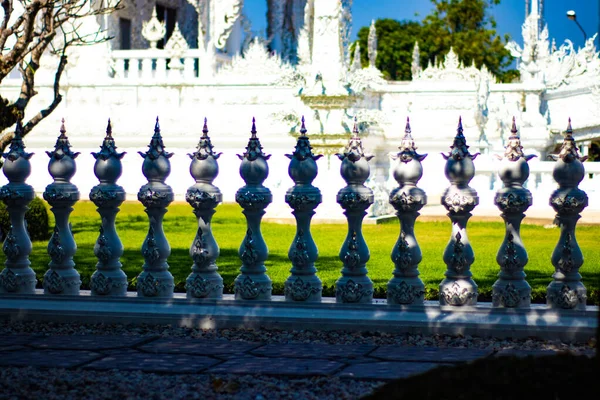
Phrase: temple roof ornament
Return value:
(176, 45)
(372, 44)
(257, 66)
(153, 30)
(227, 13)
(453, 70)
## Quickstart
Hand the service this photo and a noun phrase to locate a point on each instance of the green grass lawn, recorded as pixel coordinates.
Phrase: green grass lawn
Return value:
(229, 227)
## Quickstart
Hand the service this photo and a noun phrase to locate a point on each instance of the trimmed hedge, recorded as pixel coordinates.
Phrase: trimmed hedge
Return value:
(36, 219)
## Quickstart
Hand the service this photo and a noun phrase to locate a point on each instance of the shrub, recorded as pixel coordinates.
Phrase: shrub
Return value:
(36, 220)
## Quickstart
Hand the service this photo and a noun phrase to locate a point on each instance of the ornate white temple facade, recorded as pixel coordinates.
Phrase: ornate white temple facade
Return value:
(183, 60)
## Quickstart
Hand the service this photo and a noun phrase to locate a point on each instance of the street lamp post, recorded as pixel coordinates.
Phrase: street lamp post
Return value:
(573, 17)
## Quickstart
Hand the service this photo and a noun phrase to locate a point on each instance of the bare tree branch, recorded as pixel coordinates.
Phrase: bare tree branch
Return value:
(43, 27)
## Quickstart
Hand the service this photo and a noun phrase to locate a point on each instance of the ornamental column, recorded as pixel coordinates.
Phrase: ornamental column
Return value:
(62, 278)
(511, 289)
(406, 287)
(203, 196)
(155, 280)
(566, 289)
(354, 286)
(458, 289)
(109, 278)
(253, 283)
(17, 276)
(303, 283)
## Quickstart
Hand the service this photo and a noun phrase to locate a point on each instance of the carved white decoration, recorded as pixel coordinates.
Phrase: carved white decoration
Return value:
(415, 67)
(227, 13)
(356, 62)
(153, 30)
(257, 66)
(452, 70)
(567, 66)
(481, 106)
(535, 49)
(366, 78)
(177, 45)
(372, 44)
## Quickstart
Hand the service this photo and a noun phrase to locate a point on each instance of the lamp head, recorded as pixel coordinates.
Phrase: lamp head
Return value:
(571, 15)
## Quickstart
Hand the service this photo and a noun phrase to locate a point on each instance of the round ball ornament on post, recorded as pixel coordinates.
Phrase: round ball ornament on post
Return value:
(511, 289)
(303, 283)
(108, 279)
(354, 286)
(203, 196)
(406, 287)
(62, 278)
(155, 279)
(566, 289)
(253, 283)
(17, 276)
(458, 288)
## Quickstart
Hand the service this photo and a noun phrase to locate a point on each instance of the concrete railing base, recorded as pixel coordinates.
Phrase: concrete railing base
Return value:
(481, 320)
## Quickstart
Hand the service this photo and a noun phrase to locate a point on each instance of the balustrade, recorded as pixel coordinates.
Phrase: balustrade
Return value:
(511, 290)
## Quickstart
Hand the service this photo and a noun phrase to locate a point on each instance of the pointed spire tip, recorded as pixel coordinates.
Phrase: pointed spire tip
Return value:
(303, 127)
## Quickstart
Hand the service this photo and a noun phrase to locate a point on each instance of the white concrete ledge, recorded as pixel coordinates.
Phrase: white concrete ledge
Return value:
(482, 320)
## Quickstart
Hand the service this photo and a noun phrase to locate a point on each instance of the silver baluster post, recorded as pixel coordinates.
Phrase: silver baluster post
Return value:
(511, 289)
(459, 289)
(406, 287)
(566, 289)
(109, 278)
(155, 279)
(303, 283)
(17, 276)
(62, 278)
(203, 196)
(354, 286)
(253, 283)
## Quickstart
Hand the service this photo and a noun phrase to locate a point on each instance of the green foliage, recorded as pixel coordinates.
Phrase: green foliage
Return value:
(395, 45)
(464, 25)
(36, 219)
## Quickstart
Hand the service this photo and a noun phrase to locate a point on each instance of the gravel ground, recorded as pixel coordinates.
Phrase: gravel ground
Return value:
(26, 383)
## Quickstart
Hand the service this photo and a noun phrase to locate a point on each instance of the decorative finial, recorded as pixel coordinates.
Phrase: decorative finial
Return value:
(205, 129)
(355, 128)
(303, 127)
(407, 130)
(17, 148)
(19, 130)
(407, 147)
(459, 147)
(109, 129)
(513, 130)
(513, 150)
(569, 130)
(63, 130)
(253, 130)
(568, 151)
(157, 127)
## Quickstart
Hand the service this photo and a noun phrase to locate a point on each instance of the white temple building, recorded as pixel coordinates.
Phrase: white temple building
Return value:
(183, 60)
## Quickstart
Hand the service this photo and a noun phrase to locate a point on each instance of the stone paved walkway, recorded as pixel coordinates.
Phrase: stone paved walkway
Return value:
(204, 356)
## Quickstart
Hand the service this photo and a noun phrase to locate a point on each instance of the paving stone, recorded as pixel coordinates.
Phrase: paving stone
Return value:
(277, 366)
(385, 370)
(205, 347)
(138, 361)
(48, 358)
(429, 354)
(317, 350)
(525, 353)
(88, 342)
(16, 340)
(12, 348)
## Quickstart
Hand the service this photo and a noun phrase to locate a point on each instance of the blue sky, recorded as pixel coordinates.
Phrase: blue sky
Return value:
(509, 15)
